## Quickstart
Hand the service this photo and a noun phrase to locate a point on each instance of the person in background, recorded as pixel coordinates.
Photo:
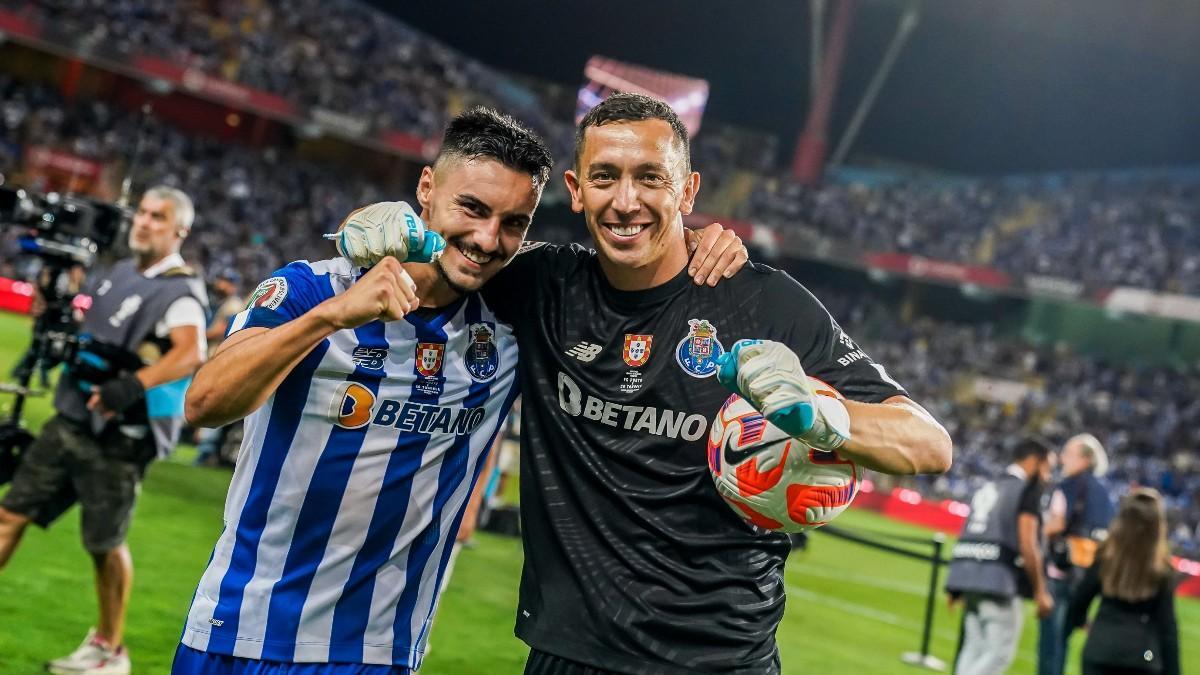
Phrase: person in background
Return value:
(228, 300)
(997, 561)
(118, 406)
(1080, 510)
(226, 296)
(1134, 630)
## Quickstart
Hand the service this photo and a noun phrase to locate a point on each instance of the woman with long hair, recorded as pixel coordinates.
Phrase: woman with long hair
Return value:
(1134, 630)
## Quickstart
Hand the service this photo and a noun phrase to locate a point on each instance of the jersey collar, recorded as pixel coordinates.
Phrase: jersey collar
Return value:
(168, 263)
(1014, 470)
(641, 298)
(433, 318)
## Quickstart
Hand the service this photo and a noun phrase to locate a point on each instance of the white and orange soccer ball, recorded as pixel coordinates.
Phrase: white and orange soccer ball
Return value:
(772, 480)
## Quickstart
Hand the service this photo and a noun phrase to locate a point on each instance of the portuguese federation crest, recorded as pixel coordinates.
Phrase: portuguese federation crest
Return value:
(482, 357)
(637, 350)
(428, 365)
(697, 353)
(429, 358)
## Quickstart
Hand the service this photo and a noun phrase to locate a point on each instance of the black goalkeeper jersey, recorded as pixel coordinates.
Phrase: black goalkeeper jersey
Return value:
(633, 563)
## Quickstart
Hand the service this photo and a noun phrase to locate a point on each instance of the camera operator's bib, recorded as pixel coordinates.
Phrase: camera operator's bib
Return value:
(986, 558)
(126, 307)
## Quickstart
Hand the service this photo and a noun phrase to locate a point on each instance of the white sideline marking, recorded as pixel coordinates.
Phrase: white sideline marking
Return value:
(864, 611)
(811, 570)
(887, 617)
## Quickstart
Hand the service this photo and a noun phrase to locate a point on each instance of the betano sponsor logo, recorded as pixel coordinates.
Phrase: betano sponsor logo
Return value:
(354, 406)
(646, 419)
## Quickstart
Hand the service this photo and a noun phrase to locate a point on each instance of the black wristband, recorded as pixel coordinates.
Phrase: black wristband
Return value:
(122, 392)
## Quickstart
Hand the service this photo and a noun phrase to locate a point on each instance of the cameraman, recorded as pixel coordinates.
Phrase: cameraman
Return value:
(119, 405)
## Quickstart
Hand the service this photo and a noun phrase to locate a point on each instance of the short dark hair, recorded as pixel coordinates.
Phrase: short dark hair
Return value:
(632, 108)
(484, 132)
(1031, 446)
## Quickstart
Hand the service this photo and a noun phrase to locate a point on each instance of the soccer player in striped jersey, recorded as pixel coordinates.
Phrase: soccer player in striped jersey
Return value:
(370, 400)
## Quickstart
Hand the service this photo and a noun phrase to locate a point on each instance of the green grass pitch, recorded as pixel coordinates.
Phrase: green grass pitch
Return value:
(850, 609)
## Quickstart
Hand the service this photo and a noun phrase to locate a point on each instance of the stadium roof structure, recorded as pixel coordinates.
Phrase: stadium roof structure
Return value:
(981, 86)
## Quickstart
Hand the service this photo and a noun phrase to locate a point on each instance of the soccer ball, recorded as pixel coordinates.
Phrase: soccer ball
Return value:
(773, 481)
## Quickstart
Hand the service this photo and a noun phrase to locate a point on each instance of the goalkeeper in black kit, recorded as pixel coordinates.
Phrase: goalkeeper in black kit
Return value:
(633, 563)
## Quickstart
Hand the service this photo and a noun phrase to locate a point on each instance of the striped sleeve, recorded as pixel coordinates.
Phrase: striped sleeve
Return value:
(288, 293)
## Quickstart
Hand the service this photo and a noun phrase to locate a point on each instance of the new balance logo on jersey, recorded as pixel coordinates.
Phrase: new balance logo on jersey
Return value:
(371, 358)
(585, 351)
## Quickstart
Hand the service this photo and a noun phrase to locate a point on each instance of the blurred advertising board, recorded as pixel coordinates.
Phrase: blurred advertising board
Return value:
(604, 76)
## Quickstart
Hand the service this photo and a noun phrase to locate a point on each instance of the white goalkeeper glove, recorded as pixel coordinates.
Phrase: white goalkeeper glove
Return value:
(387, 228)
(769, 376)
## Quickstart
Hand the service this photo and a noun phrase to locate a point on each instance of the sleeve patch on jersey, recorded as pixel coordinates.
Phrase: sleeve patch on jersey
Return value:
(255, 317)
(238, 322)
(270, 294)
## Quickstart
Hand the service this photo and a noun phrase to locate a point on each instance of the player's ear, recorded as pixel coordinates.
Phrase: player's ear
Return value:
(691, 187)
(572, 180)
(425, 187)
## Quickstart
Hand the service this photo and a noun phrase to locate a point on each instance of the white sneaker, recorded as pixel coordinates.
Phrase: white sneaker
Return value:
(93, 657)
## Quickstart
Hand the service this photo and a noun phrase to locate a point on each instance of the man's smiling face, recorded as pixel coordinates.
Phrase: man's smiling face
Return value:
(483, 209)
(632, 185)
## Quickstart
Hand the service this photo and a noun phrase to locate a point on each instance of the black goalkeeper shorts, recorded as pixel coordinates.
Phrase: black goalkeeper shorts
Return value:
(541, 663)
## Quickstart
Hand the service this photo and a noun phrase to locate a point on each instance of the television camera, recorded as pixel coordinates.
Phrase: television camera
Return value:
(67, 234)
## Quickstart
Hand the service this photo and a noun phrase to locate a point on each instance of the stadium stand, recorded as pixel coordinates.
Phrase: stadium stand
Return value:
(314, 53)
(1138, 231)
(259, 207)
(255, 208)
(1147, 418)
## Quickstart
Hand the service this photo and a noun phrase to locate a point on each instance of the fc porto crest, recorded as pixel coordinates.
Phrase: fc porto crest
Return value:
(483, 358)
(697, 352)
(637, 349)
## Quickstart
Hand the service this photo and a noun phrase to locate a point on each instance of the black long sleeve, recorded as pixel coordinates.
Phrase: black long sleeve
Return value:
(1170, 629)
(1116, 628)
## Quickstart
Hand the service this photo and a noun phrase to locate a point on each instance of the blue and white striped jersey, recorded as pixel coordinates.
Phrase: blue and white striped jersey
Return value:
(352, 480)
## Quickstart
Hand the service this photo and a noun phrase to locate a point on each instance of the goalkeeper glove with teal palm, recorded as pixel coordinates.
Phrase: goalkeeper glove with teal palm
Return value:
(769, 376)
(387, 228)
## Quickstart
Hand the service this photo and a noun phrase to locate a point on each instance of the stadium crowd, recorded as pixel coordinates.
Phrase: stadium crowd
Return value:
(1142, 232)
(1147, 418)
(258, 208)
(316, 54)
(347, 58)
